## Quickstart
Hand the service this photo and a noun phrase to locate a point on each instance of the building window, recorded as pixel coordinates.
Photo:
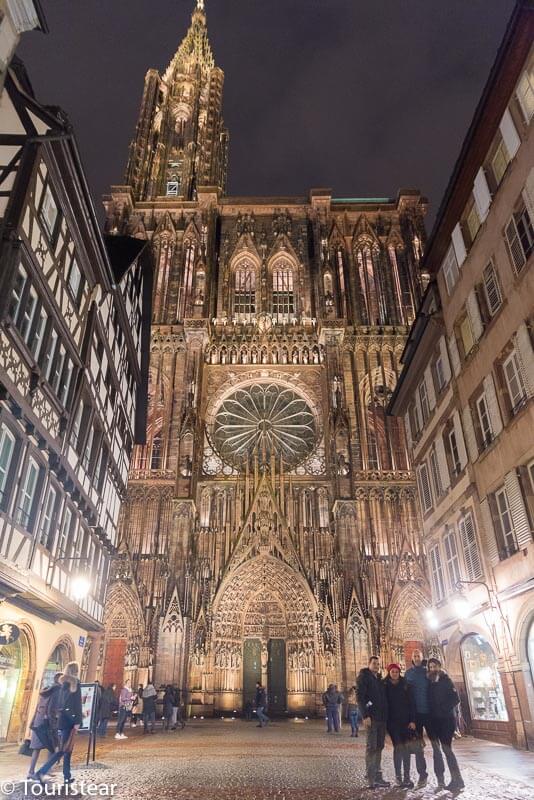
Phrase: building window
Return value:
(37, 338)
(27, 314)
(514, 382)
(49, 213)
(520, 238)
(75, 282)
(450, 269)
(47, 519)
(472, 221)
(484, 421)
(172, 188)
(283, 298)
(440, 374)
(7, 449)
(491, 290)
(525, 94)
(17, 293)
(63, 543)
(505, 528)
(436, 574)
(423, 398)
(451, 557)
(434, 467)
(373, 307)
(27, 494)
(87, 453)
(425, 492)
(482, 680)
(500, 161)
(157, 451)
(472, 561)
(466, 335)
(245, 294)
(455, 455)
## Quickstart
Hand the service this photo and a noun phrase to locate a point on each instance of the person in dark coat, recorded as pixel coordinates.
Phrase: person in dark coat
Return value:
(417, 678)
(69, 721)
(374, 712)
(44, 723)
(401, 723)
(107, 703)
(168, 703)
(149, 707)
(260, 702)
(332, 700)
(442, 700)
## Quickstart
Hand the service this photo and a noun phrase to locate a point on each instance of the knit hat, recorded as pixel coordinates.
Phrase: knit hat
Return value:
(394, 666)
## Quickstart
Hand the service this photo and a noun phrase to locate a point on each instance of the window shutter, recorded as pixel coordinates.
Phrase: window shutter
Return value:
(408, 430)
(462, 453)
(514, 245)
(489, 540)
(517, 509)
(491, 286)
(458, 244)
(528, 195)
(493, 405)
(442, 462)
(419, 412)
(482, 195)
(470, 434)
(509, 134)
(473, 312)
(470, 547)
(455, 355)
(429, 381)
(424, 487)
(445, 359)
(526, 357)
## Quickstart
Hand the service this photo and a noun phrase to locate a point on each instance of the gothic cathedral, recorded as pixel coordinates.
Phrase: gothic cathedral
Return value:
(271, 528)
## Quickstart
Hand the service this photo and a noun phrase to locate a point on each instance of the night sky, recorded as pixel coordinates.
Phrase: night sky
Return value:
(360, 96)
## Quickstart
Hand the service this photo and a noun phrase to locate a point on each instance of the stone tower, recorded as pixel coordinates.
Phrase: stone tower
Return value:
(270, 530)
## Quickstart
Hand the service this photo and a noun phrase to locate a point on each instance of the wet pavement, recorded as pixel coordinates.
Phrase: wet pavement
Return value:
(289, 760)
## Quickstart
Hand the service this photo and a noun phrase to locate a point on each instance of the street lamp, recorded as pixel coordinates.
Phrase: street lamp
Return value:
(80, 587)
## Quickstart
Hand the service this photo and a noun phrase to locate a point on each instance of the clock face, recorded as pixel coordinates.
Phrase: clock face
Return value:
(266, 419)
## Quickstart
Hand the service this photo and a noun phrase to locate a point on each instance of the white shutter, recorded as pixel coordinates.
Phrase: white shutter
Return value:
(462, 453)
(442, 462)
(458, 244)
(455, 355)
(473, 312)
(408, 430)
(424, 487)
(489, 540)
(470, 434)
(526, 357)
(528, 195)
(517, 509)
(509, 134)
(482, 195)
(470, 547)
(514, 244)
(431, 394)
(445, 359)
(493, 405)
(419, 411)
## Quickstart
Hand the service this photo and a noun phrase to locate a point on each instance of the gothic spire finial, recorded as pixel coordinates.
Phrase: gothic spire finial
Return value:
(200, 5)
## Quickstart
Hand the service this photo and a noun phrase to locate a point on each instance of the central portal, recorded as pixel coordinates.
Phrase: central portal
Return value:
(272, 673)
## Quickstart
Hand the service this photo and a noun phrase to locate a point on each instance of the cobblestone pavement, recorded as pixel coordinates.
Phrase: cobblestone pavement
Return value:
(216, 760)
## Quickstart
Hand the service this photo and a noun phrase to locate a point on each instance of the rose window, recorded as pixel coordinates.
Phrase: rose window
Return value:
(264, 419)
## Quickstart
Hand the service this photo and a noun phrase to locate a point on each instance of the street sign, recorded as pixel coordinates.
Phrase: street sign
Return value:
(9, 633)
(81, 641)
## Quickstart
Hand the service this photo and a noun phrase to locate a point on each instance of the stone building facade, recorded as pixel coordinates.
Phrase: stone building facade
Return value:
(467, 390)
(271, 530)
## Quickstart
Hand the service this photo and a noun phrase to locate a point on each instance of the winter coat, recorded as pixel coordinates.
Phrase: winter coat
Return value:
(42, 726)
(417, 678)
(125, 698)
(442, 697)
(372, 699)
(70, 703)
(260, 699)
(352, 701)
(401, 707)
(149, 699)
(168, 700)
(332, 698)
(106, 704)
(176, 698)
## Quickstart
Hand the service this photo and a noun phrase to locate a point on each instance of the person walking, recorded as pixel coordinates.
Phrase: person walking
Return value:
(168, 702)
(44, 725)
(106, 709)
(372, 702)
(401, 723)
(137, 707)
(260, 702)
(353, 711)
(125, 707)
(175, 707)
(332, 700)
(69, 720)
(442, 700)
(149, 708)
(417, 679)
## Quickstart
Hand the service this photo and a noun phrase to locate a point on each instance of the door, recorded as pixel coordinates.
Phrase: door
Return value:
(114, 663)
(276, 677)
(251, 670)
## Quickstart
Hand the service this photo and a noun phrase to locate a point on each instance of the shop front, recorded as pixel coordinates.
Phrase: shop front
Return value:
(484, 689)
(58, 659)
(15, 680)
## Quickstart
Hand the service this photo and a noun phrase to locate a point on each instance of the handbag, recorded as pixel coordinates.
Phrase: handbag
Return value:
(25, 749)
(44, 734)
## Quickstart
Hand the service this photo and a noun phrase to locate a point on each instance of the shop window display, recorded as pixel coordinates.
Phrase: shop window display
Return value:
(10, 672)
(482, 679)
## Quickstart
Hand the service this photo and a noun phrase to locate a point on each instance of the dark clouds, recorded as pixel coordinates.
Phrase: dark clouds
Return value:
(361, 96)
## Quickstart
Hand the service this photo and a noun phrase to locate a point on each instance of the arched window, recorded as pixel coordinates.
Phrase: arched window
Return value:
(401, 280)
(283, 297)
(245, 292)
(189, 263)
(157, 451)
(373, 310)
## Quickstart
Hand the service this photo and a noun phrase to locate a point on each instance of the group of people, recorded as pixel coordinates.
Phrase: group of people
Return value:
(141, 706)
(55, 723)
(406, 707)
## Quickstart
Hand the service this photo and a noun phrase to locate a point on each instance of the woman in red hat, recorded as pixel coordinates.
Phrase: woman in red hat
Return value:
(401, 723)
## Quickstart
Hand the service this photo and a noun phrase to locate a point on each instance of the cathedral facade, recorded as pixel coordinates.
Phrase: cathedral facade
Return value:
(271, 528)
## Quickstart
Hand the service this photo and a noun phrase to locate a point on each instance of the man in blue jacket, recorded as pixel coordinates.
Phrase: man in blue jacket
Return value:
(417, 677)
